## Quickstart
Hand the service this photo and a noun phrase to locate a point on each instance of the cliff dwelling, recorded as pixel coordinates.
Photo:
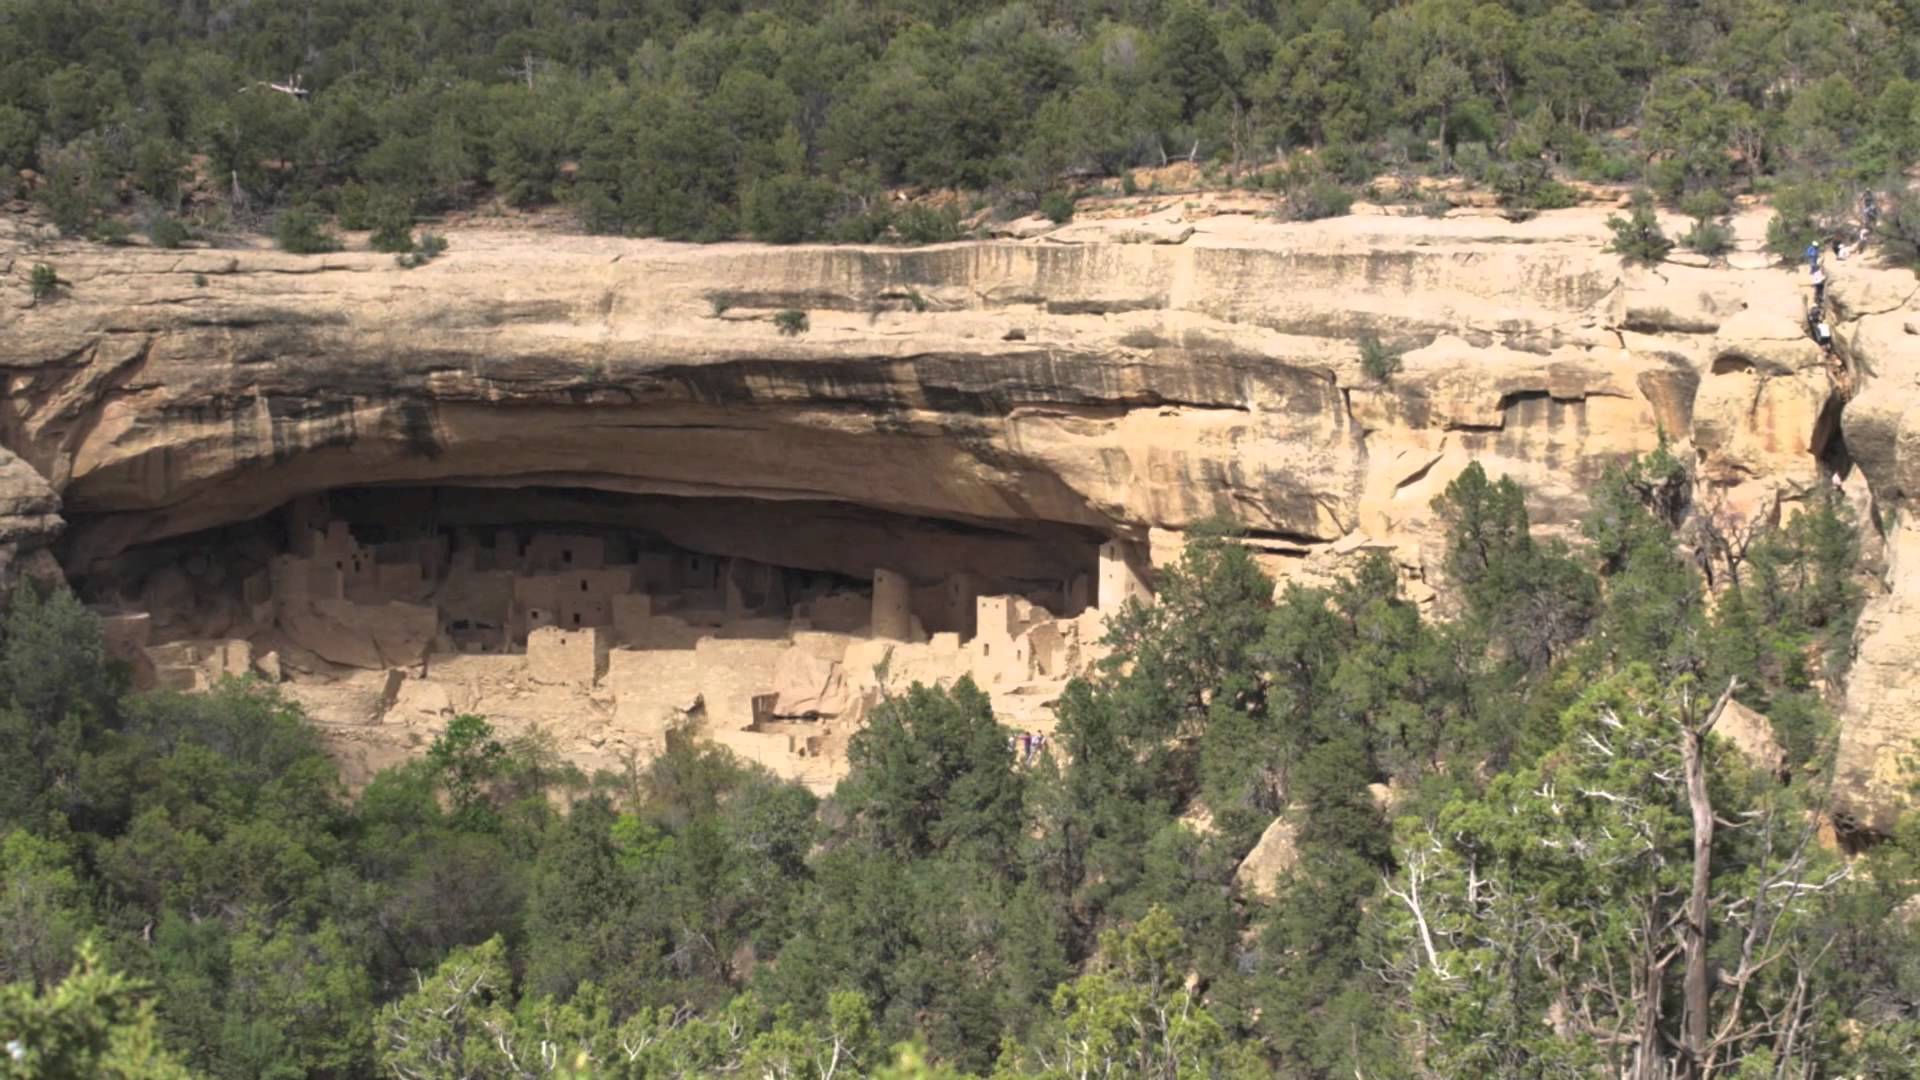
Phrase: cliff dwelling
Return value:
(603, 620)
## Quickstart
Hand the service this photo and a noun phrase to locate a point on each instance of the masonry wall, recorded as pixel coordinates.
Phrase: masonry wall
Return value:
(567, 657)
(1121, 577)
(892, 616)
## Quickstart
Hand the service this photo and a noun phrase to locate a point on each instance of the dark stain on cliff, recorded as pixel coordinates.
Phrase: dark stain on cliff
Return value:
(303, 424)
(1671, 391)
(417, 429)
(820, 383)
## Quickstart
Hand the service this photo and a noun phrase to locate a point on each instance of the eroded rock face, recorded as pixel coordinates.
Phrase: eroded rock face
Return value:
(1080, 383)
(29, 517)
(1154, 385)
(1880, 727)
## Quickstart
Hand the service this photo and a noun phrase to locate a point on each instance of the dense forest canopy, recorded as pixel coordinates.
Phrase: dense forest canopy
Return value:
(788, 120)
(1500, 866)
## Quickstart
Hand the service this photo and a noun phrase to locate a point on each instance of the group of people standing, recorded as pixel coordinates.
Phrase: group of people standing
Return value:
(1026, 746)
(1817, 313)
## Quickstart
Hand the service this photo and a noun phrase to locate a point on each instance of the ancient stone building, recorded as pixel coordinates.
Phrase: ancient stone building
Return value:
(396, 623)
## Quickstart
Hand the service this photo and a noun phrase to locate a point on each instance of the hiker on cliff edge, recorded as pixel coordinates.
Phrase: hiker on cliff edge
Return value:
(1813, 255)
(1822, 333)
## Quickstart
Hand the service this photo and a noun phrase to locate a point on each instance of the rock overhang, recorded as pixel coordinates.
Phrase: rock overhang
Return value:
(1102, 388)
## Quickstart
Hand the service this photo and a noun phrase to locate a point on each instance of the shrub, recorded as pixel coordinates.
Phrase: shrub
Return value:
(927, 225)
(166, 231)
(1704, 204)
(199, 281)
(353, 206)
(1525, 184)
(1128, 185)
(1708, 237)
(1637, 238)
(302, 231)
(1668, 179)
(424, 252)
(1554, 195)
(159, 164)
(110, 230)
(861, 227)
(44, 281)
(1474, 161)
(721, 302)
(791, 322)
(1608, 167)
(19, 141)
(1435, 207)
(392, 238)
(1318, 199)
(392, 221)
(76, 188)
(1377, 360)
(1898, 232)
(1057, 207)
(786, 209)
(1802, 214)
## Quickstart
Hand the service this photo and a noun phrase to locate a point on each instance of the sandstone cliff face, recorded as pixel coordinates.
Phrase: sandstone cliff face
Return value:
(29, 515)
(1880, 736)
(1099, 387)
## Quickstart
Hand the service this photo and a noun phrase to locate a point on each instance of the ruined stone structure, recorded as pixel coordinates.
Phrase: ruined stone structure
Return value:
(1109, 384)
(597, 627)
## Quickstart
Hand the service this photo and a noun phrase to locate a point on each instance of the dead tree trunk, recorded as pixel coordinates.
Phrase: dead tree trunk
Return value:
(1695, 989)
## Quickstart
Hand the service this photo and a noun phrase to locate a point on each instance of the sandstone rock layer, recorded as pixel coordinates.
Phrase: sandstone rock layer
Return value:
(974, 399)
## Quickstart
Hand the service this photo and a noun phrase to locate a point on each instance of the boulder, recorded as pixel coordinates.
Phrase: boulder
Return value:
(1274, 855)
(29, 514)
(1752, 734)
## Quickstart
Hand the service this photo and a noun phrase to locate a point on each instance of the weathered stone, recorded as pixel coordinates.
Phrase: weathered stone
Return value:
(29, 514)
(1752, 734)
(1151, 386)
(1275, 854)
(809, 685)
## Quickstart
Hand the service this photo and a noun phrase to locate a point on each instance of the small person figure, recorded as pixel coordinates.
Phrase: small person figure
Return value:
(1819, 288)
(1869, 211)
(1822, 334)
(1026, 746)
(1813, 255)
(1033, 746)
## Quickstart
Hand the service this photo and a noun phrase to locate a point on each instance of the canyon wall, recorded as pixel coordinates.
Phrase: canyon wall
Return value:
(1121, 380)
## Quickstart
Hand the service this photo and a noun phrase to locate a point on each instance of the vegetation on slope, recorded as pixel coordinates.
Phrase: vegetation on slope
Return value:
(791, 121)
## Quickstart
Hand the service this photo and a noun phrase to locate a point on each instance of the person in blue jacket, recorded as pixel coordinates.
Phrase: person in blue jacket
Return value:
(1813, 255)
